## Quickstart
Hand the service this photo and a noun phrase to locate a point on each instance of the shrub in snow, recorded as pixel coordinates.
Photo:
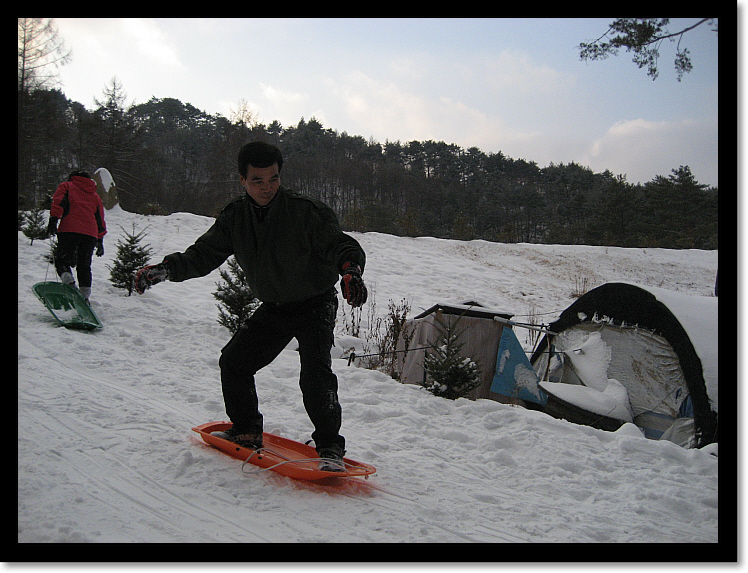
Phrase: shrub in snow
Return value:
(131, 256)
(450, 375)
(34, 226)
(381, 340)
(236, 300)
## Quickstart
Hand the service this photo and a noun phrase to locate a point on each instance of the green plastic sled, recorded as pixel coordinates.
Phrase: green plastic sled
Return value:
(67, 305)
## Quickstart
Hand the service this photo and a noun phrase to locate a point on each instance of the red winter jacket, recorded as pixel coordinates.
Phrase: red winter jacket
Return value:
(79, 208)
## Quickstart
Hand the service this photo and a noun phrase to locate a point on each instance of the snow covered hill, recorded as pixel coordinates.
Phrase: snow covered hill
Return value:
(105, 451)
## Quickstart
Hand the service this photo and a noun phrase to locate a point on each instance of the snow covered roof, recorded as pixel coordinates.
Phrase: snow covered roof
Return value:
(698, 317)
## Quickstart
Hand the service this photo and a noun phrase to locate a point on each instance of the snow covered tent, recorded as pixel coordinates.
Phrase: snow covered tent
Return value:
(105, 187)
(661, 348)
(481, 338)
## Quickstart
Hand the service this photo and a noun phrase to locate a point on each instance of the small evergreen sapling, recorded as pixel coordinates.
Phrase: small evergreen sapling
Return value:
(450, 375)
(131, 256)
(236, 300)
(34, 226)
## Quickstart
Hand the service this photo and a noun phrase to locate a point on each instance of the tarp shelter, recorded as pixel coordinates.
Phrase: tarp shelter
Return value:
(514, 379)
(105, 187)
(481, 338)
(662, 349)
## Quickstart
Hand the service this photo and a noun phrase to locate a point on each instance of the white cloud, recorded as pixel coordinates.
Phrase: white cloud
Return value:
(380, 108)
(281, 96)
(135, 50)
(408, 67)
(514, 71)
(282, 105)
(149, 40)
(642, 149)
(485, 102)
(388, 111)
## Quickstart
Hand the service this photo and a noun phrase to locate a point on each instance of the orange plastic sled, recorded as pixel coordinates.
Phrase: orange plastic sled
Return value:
(286, 457)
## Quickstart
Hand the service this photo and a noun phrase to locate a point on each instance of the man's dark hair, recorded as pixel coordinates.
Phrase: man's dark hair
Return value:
(259, 154)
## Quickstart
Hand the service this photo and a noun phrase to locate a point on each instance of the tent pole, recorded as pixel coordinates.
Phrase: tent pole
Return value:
(527, 326)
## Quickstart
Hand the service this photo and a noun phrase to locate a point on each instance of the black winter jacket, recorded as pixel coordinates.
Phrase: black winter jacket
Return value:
(291, 250)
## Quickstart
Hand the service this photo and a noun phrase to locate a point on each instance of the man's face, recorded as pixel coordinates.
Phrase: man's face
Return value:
(261, 183)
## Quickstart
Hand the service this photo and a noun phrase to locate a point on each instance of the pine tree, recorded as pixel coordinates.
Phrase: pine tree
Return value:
(53, 255)
(131, 256)
(237, 302)
(34, 226)
(451, 375)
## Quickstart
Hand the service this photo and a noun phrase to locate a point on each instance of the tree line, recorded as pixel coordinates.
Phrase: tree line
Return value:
(167, 156)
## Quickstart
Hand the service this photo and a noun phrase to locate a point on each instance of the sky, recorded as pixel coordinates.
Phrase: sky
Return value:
(510, 85)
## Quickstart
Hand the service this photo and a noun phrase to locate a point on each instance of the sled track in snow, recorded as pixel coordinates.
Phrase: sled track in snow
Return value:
(105, 479)
(118, 484)
(157, 405)
(388, 503)
(394, 503)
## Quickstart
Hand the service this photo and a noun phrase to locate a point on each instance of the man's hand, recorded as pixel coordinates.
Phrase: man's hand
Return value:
(352, 285)
(100, 248)
(149, 276)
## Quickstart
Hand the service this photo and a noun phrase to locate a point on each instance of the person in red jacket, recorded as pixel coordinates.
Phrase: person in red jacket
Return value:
(80, 213)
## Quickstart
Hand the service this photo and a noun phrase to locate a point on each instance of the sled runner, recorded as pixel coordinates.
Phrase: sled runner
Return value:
(67, 305)
(286, 457)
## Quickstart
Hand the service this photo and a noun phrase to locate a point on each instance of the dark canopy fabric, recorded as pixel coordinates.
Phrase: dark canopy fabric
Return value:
(622, 303)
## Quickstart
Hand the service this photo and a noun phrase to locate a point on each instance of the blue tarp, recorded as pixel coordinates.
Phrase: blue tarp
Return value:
(514, 376)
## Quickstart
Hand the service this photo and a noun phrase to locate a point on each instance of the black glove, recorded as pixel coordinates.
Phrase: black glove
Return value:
(149, 276)
(352, 285)
(52, 227)
(100, 248)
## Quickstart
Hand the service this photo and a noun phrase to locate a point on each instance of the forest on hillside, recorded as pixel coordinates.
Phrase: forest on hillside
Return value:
(167, 156)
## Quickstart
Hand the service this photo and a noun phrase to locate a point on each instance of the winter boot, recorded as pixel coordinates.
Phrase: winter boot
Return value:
(243, 439)
(86, 292)
(67, 278)
(331, 459)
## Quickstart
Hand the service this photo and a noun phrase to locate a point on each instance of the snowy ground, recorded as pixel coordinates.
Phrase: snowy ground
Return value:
(105, 451)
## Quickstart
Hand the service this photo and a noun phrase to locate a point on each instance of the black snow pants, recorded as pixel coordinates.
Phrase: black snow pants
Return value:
(75, 250)
(259, 341)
